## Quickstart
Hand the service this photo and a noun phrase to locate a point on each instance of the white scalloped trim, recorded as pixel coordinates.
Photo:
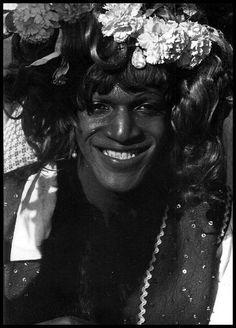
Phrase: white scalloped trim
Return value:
(150, 269)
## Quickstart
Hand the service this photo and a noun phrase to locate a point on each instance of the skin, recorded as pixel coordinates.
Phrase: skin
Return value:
(122, 122)
(90, 126)
(122, 126)
(119, 121)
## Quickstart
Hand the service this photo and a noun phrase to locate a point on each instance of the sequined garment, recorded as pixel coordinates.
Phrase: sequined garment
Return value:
(183, 284)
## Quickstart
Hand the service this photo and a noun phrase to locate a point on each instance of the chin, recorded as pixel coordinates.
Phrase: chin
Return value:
(121, 184)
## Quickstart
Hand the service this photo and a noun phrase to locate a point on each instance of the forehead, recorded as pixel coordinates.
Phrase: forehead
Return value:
(116, 92)
(120, 95)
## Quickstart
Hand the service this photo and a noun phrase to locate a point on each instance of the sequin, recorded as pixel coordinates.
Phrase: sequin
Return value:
(213, 277)
(163, 315)
(9, 284)
(5, 204)
(16, 196)
(190, 299)
(24, 279)
(202, 252)
(37, 271)
(186, 256)
(195, 316)
(203, 235)
(178, 206)
(184, 289)
(193, 225)
(15, 270)
(204, 266)
(26, 264)
(210, 223)
(200, 281)
(208, 308)
(184, 271)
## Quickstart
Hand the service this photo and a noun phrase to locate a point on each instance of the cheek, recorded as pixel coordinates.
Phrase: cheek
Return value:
(157, 128)
(162, 136)
(88, 124)
(86, 129)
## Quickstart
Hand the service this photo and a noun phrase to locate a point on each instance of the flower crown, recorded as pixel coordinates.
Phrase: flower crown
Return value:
(36, 22)
(163, 33)
(161, 37)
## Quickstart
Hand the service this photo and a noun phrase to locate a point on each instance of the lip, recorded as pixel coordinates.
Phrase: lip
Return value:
(141, 147)
(119, 164)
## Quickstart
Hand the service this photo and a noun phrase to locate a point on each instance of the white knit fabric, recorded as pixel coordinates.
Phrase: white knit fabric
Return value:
(17, 152)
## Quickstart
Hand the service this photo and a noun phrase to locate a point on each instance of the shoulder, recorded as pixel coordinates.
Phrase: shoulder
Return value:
(210, 218)
(15, 183)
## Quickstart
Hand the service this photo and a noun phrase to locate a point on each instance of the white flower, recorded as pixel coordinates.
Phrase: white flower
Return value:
(162, 41)
(138, 58)
(9, 6)
(121, 20)
(199, 45)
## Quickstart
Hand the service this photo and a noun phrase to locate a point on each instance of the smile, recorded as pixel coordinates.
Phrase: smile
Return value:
(120, 155)
(122, 159)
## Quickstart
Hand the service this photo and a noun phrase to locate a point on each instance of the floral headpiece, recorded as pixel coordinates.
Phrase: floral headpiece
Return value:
(162, 32)
(161, 36)
(36, 22)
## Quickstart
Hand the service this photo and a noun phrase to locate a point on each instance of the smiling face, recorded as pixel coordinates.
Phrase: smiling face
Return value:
(122, 137)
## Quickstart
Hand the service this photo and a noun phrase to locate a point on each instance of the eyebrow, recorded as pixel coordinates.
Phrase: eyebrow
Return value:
(137, 96)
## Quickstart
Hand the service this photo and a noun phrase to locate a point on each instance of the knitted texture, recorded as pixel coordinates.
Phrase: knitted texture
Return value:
(17, 152)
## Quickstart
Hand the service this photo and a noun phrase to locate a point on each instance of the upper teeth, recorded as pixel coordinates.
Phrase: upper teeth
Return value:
(118, 155)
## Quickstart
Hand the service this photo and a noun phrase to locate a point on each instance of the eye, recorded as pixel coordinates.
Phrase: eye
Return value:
(150, 109)
(98, 108)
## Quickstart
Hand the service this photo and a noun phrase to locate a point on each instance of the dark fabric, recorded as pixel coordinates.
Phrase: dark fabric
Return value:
(95, 272)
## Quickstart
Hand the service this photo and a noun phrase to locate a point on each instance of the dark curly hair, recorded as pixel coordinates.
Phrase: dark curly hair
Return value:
(197, 102)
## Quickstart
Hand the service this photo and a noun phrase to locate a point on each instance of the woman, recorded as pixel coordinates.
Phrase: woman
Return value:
(124, 221)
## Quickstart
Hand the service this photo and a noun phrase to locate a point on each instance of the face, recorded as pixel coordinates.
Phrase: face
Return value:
(122, 138)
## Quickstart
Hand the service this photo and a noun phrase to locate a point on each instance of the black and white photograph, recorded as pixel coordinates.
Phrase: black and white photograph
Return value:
(118, 163)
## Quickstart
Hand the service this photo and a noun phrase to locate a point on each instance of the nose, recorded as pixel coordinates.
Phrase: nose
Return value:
(123, 128)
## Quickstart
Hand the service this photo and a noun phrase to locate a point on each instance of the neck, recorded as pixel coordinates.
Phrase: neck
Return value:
(146, 198)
